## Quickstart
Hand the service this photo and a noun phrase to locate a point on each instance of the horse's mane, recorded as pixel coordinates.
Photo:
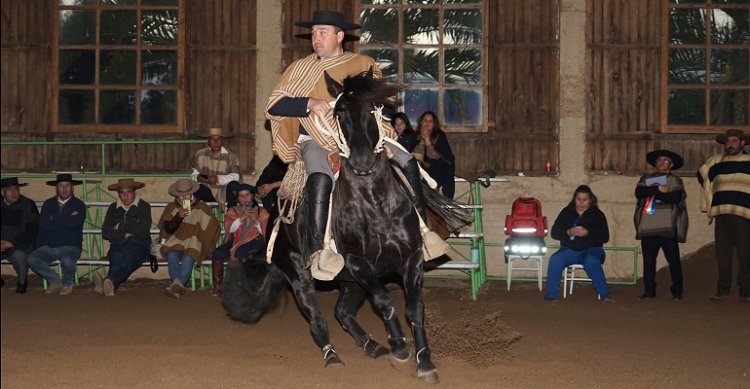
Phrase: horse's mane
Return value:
(364, 89)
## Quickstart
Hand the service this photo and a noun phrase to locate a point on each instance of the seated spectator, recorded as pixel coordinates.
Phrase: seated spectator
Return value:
(268, 185)
(60, 236)
(245, 230)
(190, 231)
(20, 223)
(581, 229)
(127, 227)
(434, 153)
(407, 137)
(214, 167)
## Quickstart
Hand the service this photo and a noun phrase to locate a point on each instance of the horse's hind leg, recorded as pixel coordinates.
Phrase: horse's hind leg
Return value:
(351, 297)
(304, 293)
(383, 302)
(415, 314)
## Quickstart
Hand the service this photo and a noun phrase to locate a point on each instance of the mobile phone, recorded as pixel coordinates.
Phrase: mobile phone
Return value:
(186, 205)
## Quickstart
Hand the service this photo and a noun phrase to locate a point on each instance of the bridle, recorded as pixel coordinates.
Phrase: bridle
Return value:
(338, 136)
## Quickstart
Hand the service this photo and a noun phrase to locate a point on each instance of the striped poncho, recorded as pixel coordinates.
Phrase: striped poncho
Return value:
(304, 78)
(725, 185)
(197, 234)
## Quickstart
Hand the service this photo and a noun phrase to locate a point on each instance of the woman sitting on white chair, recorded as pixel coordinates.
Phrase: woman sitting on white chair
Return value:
(581, 229)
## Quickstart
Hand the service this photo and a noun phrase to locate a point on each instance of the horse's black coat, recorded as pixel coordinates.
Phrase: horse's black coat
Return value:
(376, 229)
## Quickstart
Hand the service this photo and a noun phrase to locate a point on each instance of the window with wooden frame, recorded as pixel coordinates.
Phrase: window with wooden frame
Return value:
(707, 60)
(436, 49)
(118, 66)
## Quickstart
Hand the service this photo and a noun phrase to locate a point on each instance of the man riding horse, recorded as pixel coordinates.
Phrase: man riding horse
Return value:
(299, 97)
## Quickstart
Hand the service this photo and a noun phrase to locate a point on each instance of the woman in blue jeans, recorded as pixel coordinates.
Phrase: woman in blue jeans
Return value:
(581, 229)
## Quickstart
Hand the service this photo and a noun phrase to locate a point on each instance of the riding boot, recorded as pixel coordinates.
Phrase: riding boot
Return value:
(433, 245)
(324, 263)
(217, 268)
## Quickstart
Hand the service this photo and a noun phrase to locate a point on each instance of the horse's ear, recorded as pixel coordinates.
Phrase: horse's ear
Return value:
(334, 88)
(369, 72)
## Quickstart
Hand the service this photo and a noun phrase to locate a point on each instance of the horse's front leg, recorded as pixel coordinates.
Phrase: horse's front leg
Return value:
(415, 314)
(381, 298)
(351, 297)
(304, 292)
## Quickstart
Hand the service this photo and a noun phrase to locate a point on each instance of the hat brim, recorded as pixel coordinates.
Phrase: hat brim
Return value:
(18, 185)
(722, 138)
(341, 25)
(135, 186)
(347, 37)
(194, 186)
(55, 182)
(677, 161)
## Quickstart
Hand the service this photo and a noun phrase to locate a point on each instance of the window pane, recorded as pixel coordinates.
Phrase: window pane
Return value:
(463, 66)
(417, 101)
(686, 106)
(159, 2)
(463, 107)
(421, 26)
(387, 61)
(730, 26)
(730, 67)
(158, 107)
(159, 27)
(379, 26)
(76, 67)
(117, 67)
(117, 107)
(687, 26)
(423, 1)
(76, 2)
(732, 1)
(421, 66)
(75, 106)
(462, 1)
(118, 2)
(378, 1)
(729, 107)
(462, 26)
(159, 67)
(687, 66)
(688, 1)
(77, 27)
(117, 28)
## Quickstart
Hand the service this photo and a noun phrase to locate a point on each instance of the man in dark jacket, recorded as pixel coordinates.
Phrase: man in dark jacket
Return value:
(127, 226)
(20, 222)
(60, 236)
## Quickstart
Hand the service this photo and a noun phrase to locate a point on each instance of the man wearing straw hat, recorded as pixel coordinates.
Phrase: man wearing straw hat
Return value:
(215, 167)
(127, 227)
(60, 236)
(20, 222)
(725, 196)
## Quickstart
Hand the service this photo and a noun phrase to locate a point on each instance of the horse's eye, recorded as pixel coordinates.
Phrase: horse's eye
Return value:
(351, 93)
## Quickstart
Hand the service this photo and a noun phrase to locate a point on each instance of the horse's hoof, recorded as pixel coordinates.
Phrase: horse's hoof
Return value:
(374, 350)
(333, 361)
(430, 376)
(401, 354)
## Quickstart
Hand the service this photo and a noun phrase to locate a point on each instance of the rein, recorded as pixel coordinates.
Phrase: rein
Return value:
(338, 137)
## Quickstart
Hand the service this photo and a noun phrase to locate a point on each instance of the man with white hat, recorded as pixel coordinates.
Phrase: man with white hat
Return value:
(127, 226)
(20, 222)
(725, 196)
(215, 167)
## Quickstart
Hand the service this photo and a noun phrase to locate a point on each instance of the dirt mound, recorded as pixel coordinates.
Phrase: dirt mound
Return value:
(474, 335)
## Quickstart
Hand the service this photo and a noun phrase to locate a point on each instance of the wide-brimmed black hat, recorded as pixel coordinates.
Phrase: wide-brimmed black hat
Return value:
(64, 178)
(330, 18)
(722, 138)
(676, 159)
(10, 181)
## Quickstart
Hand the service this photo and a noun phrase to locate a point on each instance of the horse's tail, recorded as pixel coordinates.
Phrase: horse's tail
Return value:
(456, 214)
(251, 289)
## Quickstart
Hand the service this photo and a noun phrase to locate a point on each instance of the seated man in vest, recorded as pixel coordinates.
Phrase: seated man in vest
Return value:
(60, 236)
(126, 226)
(20, 222)
(214, 167)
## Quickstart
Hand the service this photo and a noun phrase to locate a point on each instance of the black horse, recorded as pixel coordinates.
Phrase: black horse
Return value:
(376, 229)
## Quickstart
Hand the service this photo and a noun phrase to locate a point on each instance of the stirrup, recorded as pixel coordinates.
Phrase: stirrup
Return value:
(325, 264)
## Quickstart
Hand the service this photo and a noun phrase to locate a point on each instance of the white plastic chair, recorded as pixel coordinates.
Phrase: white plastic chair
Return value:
(533, 258)
(570, 275)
